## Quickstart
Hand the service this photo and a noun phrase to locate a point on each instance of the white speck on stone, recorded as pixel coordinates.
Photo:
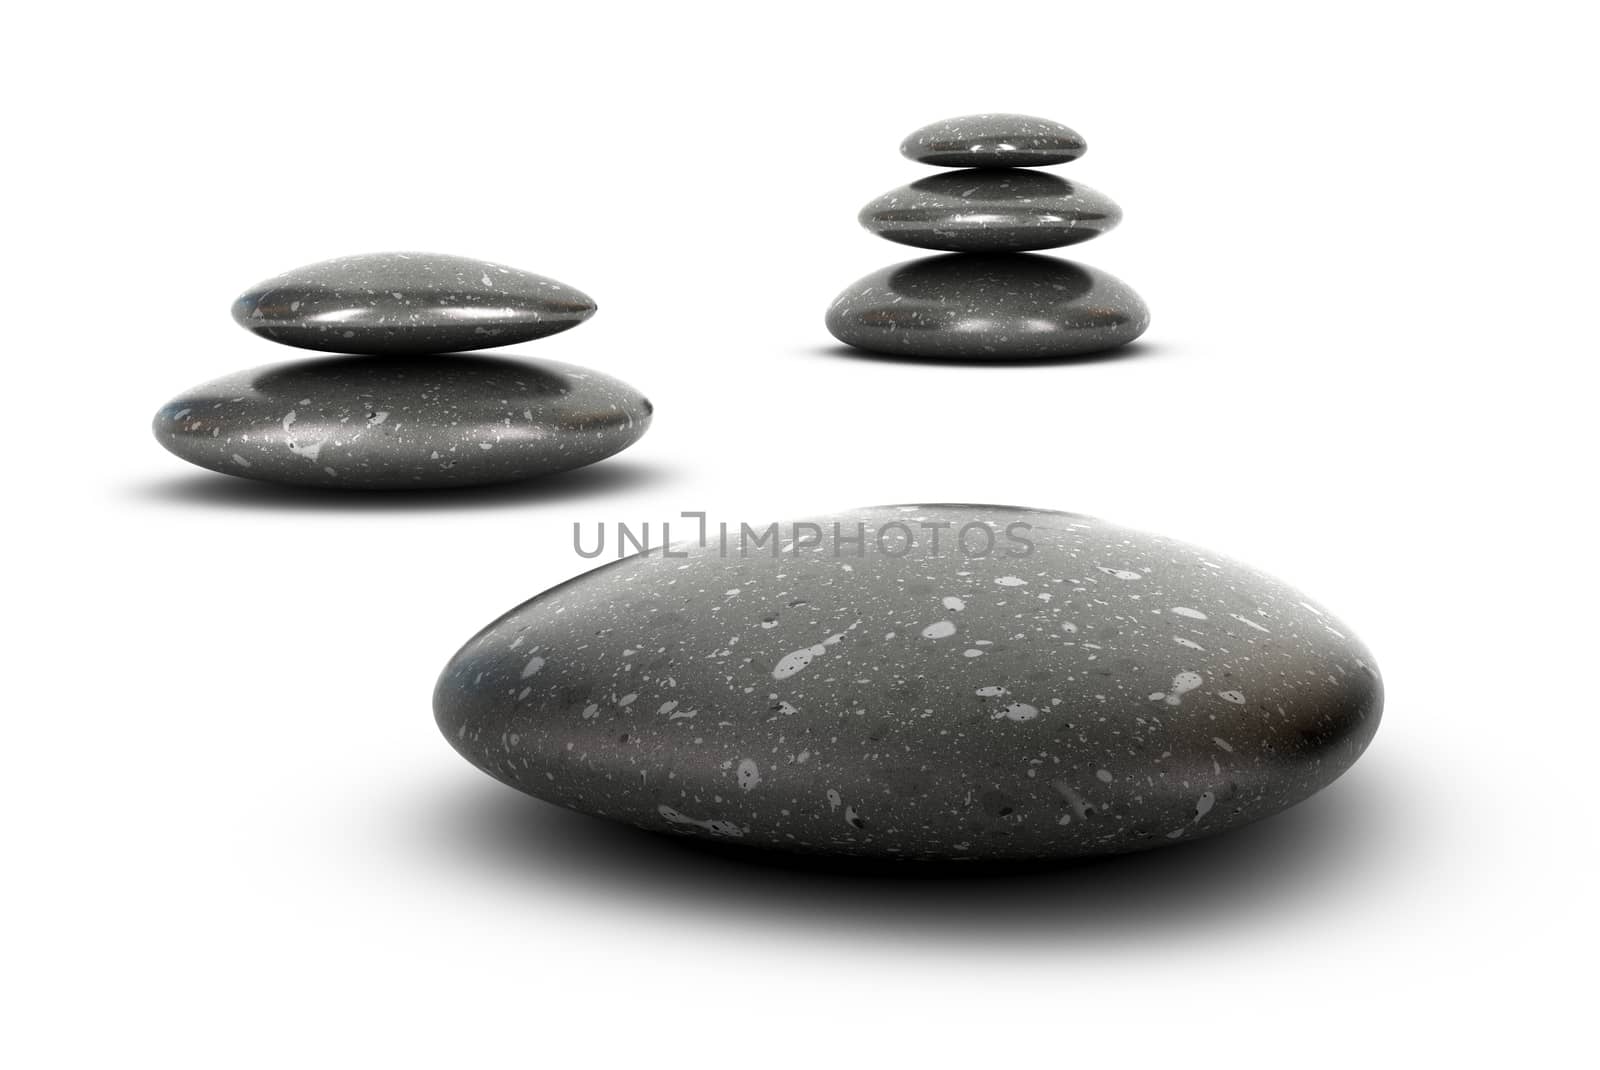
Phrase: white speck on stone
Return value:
(1182, 683)
(749, 774)
(310, 450)
(939, 630)
(794, 661)
(1016, 711)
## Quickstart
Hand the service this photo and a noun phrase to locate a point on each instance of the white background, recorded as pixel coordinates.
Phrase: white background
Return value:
(234, 835)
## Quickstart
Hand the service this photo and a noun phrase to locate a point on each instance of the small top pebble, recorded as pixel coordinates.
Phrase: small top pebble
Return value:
(993, 140)
(408, 304)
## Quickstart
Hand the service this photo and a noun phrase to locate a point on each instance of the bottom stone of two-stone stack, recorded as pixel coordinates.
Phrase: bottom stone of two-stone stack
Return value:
(919, 682)
(403, 423)
(1008, 306)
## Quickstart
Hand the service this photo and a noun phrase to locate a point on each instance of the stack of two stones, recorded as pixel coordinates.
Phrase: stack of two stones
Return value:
(403, 407)
(990, 300)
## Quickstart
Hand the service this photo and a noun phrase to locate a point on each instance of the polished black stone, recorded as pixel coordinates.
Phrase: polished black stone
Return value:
(994, 140)
(987, 683)
(1003, 210)
(400, 423)
(972, 306)
(408, 304)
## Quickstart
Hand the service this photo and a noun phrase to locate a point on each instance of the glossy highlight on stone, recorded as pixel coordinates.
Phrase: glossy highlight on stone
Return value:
(1000, 307)
(994, 140)
(966, 682)
(991, 211)
(403, 423)
(408, 304)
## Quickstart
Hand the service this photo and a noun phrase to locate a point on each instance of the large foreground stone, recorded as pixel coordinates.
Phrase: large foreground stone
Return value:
(1079, 689)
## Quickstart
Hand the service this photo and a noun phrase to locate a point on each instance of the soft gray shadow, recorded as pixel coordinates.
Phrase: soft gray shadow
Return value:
(1294, 862)
(1131, 351)
(200, 488)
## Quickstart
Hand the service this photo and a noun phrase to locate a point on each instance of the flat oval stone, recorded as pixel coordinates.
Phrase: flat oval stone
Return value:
(994, 140)
(408, 304)
(1000, 307)
(964, 682)
(991, 211)
(403, 422)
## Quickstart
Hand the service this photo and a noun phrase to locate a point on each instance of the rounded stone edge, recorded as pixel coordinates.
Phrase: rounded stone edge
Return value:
(992, 161)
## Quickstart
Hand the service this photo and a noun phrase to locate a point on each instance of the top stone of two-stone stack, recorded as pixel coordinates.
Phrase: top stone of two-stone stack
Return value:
(408, 304)
(997, 140)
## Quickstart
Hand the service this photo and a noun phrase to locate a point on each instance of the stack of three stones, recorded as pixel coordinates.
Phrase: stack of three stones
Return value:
(990, 300)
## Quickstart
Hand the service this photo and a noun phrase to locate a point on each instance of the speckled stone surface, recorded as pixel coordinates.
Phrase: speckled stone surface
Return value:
(1103, 691)
(993, 140)
(408, 304)
(999, 307)
(403, 422)
(991, 211)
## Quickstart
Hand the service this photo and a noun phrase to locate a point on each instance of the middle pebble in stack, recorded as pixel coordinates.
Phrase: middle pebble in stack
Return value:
(989, 301)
